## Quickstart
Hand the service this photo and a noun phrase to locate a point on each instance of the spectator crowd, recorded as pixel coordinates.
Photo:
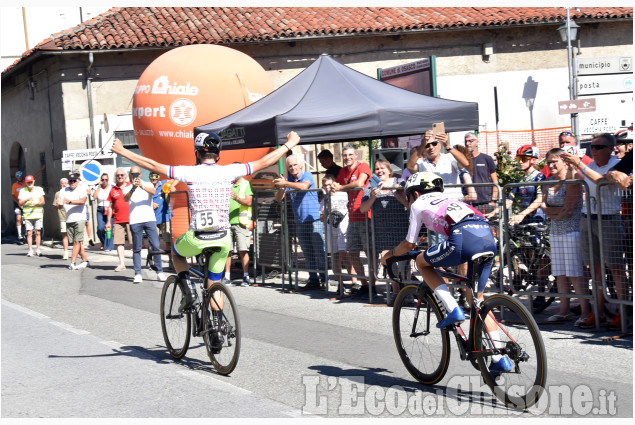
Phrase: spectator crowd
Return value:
(362, 211)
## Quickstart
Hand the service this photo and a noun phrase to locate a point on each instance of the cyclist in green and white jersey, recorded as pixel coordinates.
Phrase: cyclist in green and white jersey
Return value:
(209, 186)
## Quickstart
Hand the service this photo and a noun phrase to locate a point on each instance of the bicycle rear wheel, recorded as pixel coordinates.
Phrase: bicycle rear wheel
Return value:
(176, 326)
(517, 336)
(221, 331)
(424, 349)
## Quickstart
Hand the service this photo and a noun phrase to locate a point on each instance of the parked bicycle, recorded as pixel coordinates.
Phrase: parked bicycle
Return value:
(498, 326)
(528, 253)
(214, 318)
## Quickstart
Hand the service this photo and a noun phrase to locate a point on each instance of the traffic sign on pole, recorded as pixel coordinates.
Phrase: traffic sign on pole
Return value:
(91, 172)
(576, 106)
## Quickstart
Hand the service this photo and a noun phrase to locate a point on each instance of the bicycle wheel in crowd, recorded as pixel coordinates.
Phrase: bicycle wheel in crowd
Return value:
(221, 332)
(514, 332)
(549, 283)
(424, 349)
(176, 327)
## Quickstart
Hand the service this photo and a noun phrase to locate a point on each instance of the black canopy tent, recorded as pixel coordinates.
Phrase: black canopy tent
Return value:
(330, 102)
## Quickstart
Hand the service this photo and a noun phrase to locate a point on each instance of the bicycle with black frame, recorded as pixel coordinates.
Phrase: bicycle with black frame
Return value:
(214, 318)
(498, 326)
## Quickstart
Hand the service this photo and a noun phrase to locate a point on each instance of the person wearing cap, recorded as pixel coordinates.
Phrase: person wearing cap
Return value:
(142, 219)
(118, 216)
(31, 201)
(15, 192)
(567, 141)
(73, 198)
(526, 199)
(161, 206)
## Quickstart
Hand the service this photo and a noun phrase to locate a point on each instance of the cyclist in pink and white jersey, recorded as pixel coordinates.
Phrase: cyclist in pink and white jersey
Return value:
(209, 186)
(467, 233)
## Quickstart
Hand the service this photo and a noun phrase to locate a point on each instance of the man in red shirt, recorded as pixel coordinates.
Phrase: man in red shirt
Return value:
(567, 141)
(15, 191)
(119, 211)
(355, 175)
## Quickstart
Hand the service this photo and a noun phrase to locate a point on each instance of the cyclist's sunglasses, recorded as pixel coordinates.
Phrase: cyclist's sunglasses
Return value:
(521, 158)
(566, 133)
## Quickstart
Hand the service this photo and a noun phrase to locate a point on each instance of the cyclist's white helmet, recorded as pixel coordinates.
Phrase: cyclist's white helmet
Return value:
(624, 135)
(423, 182)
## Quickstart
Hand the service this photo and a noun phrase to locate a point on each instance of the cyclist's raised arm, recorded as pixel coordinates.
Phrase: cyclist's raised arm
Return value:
(292, 140)
(142, 161)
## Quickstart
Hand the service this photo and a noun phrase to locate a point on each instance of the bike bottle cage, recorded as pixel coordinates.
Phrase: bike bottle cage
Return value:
(210, 236)
(482, 257)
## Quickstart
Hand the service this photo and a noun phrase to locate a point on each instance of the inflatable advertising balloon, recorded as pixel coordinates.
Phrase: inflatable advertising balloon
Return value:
(187, 87)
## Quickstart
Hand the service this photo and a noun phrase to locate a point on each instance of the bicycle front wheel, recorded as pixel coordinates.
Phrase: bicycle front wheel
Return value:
(506, 329)
(221, 331)
(176, 326)
(424, 349)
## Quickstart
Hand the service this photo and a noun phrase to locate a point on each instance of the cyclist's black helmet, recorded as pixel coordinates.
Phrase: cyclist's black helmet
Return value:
(423, 182)
(208, 143)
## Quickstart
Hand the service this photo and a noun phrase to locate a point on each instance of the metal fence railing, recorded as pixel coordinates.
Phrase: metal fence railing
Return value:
(583, 250)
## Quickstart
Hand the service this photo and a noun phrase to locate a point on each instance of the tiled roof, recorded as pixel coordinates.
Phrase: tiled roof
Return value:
(138, 27)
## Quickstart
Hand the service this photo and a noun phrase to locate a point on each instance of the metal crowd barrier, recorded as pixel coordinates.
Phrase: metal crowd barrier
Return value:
(614, 222)
(267, 232)
(523, 243)
(373, 241)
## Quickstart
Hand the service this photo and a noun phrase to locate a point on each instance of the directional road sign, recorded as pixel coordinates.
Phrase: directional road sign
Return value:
(576, 106)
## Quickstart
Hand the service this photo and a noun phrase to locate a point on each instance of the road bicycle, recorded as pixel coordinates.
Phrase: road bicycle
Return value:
(214, 318)
(498, 326)
(528, 254)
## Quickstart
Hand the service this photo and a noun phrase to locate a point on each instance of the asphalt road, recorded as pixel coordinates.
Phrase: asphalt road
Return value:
(88, 344)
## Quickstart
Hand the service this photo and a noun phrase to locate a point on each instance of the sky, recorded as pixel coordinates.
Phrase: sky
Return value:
(41, 22)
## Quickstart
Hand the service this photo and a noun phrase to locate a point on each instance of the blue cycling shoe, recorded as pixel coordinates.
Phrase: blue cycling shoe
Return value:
(503, 365)
(457, 315)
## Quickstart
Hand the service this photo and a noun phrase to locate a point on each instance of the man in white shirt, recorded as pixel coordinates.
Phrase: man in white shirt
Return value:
(142, 219)
(73, 198)
(445, 165)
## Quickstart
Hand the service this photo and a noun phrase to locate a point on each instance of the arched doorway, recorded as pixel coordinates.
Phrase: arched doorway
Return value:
(16, 162)
(16, 159)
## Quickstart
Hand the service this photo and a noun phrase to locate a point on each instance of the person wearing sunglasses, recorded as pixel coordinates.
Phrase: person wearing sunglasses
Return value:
(119, 216)
(161, 206)
(567, 141)
(527, 198)
(446, 165)
(100, 195)
(612, 236)
(73, 198)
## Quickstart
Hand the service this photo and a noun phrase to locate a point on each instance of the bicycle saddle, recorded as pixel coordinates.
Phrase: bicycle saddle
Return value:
(482, 257)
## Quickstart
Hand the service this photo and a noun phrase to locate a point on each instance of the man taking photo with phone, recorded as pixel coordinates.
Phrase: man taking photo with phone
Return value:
(142, 219)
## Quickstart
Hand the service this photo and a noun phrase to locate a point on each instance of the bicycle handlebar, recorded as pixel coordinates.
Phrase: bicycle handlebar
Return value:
(410, 255)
